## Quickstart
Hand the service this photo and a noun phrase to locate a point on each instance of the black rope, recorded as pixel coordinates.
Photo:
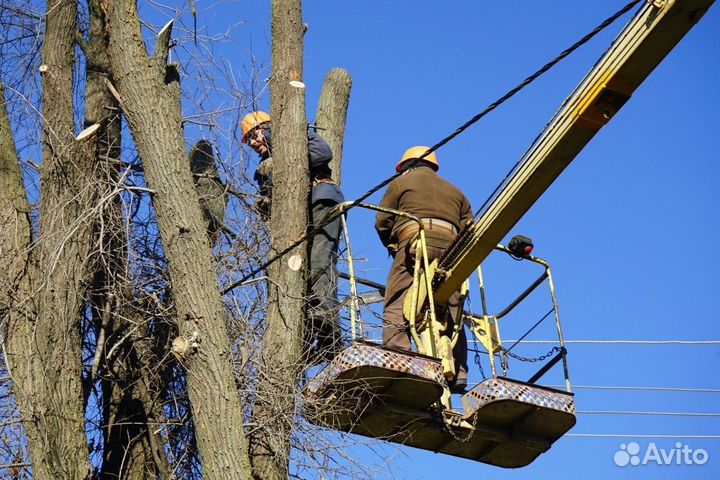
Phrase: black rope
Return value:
(441, 143)
(530, 330)
(308, 235)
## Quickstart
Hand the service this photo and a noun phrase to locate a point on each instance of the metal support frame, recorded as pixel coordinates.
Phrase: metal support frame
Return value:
(425, 346)
(354, 305)
(486, 327)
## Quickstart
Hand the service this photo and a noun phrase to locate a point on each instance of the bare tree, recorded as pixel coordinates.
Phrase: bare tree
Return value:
(118, 340)
(43, 338)
(282, 347)
(149, 93)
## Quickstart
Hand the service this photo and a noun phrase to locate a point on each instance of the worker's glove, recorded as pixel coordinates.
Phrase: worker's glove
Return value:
(266, 167)
(262, 205)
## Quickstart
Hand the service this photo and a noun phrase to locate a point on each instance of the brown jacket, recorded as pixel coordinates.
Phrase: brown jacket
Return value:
(423, 193)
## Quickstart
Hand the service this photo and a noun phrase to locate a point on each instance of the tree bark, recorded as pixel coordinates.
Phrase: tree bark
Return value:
(274, 410)
(127, 451)
(15, 231)
(44, 344)
(16, 313)
(332, 114)
(150, 97)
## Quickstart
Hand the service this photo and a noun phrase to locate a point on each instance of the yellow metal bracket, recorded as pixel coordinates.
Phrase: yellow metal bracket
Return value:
(486, 330)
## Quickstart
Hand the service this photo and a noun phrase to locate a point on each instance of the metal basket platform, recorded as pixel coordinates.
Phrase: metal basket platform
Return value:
(385, 394)
(364, 381)
(514, 422)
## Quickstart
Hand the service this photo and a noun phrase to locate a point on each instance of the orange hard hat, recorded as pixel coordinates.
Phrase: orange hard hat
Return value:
(252, 120)
(414, 153)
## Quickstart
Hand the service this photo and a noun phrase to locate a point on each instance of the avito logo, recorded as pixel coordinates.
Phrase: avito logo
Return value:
(680, 455)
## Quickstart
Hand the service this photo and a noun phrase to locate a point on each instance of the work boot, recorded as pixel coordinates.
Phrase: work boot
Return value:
(459, 383)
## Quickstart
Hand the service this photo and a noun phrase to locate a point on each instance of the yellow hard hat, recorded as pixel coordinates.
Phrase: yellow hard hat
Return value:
(252, 120)
(414, 153)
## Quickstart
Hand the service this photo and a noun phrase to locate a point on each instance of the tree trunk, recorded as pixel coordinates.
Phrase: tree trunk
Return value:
(15, 239)
(126, 446)
(332, 114)
(274, 410)
(15, 231)
(44, 345)
(150, 97)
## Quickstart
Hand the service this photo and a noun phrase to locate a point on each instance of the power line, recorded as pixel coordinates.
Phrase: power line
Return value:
(635, 412)
(545, 68)
(652, 389)
(631, 435)
(618, 342)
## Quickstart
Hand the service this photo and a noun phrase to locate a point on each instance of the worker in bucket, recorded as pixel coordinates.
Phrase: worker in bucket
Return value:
(444, 210)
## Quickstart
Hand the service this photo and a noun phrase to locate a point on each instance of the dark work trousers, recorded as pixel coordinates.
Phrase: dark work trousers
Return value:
(396, 333)
(322, 283)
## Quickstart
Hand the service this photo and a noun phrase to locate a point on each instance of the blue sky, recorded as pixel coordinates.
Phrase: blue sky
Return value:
(630, 227)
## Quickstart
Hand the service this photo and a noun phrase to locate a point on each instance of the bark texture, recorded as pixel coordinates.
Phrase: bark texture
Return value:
(15, 232)
(43, 336)
(332, 114)
(127, 439)
(274, 411)
(150, 97)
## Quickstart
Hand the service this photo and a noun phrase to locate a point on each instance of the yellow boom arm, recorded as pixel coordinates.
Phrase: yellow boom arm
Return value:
(640, 47)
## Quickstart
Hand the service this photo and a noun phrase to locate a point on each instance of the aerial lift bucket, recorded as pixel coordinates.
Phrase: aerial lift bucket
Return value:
(385, 394)
(399, 397)
(396, 395)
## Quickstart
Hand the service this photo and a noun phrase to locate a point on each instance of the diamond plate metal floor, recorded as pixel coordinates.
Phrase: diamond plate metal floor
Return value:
(390, 395)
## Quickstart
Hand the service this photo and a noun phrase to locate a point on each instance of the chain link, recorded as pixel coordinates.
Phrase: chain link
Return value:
(532, 360)
(449, 428)
(479, 364)
(448, 424)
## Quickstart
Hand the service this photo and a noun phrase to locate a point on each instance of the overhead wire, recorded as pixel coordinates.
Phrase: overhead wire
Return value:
(317, 229)
(631, 435)
(641, 389)
(635, 412)
(619, 342)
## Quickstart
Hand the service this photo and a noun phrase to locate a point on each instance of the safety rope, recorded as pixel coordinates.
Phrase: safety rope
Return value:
(552, 310)
(545, 68)
(438, 145)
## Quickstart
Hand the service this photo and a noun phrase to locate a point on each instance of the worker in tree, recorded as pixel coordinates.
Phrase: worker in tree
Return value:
(324, 328)
(444, 210)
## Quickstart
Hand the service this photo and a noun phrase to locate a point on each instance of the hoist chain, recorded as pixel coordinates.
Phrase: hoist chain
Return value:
(531, 360)
(448, 427)
(479, 364)
(449, 424)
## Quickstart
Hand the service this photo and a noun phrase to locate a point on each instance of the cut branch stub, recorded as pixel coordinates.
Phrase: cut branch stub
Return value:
(88, 133)
(162, 47)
